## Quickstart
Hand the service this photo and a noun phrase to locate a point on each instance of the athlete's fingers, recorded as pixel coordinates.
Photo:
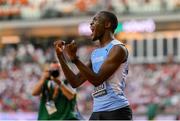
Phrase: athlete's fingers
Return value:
(60, 43)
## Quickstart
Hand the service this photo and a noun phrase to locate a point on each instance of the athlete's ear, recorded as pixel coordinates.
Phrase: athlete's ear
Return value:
(107, 24)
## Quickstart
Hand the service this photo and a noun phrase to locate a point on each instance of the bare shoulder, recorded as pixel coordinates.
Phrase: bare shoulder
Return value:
(119, 52)
(119, 48)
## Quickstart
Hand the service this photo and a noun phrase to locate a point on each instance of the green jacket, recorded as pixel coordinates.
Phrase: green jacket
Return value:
(65, 108)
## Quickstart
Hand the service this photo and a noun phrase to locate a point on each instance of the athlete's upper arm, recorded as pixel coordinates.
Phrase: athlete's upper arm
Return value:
(116, 57)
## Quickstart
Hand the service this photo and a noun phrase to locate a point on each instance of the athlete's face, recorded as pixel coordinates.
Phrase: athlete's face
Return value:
(97, 26)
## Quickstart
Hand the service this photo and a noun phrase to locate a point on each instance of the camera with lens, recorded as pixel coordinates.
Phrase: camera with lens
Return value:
(55, 73)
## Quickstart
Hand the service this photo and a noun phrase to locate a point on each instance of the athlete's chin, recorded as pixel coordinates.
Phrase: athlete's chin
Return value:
(94, 38)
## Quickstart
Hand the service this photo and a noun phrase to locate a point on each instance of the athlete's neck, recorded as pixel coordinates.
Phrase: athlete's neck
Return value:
(106, 38)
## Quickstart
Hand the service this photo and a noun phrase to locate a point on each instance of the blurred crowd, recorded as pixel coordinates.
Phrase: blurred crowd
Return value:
(30, 9)
(20, 69)
(154, 84)
(22, 65)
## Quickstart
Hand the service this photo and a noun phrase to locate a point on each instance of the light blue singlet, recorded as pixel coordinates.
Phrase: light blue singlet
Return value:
(109, 96)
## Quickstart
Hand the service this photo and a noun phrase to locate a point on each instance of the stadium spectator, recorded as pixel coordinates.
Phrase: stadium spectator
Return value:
(58, 99)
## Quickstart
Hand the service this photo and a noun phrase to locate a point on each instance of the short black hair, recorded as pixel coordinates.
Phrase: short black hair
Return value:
(112, 18)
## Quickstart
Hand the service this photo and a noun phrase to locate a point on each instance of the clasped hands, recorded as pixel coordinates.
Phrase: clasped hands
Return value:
(70, 48)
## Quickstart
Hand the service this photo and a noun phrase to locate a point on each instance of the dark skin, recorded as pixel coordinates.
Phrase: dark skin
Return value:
(102, 31)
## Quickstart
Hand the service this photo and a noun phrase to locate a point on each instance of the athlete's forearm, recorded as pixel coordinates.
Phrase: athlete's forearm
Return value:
(88, 73)
(70, 76)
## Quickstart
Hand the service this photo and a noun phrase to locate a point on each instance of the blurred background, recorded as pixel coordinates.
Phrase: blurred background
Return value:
(149, 28)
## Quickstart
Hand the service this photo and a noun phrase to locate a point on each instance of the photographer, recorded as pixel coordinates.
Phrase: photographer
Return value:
(58, 99)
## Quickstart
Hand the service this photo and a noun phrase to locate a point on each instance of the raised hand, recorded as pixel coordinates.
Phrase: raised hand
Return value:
(45, 74)
(59, 47)
(71, 50)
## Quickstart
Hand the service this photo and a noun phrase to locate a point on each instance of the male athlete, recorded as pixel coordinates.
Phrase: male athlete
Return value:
(107, 70)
